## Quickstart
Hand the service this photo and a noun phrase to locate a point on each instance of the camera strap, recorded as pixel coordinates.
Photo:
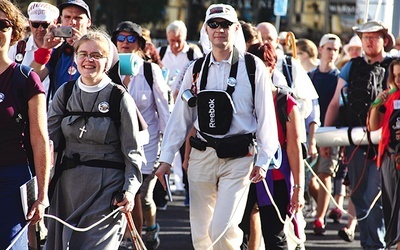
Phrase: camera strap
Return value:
(232, 73)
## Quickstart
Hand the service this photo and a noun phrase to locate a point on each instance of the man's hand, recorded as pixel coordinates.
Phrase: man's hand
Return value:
(49, 40)
(164, 168)
(325, 152)
(257, 174)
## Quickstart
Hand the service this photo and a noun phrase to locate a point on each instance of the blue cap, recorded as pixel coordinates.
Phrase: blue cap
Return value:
(79, 3)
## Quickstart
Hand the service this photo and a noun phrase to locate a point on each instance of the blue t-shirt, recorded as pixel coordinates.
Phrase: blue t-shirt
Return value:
(62, 67)
(325, 85)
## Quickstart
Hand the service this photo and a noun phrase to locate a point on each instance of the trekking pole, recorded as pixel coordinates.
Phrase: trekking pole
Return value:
(136, 237)
(290, 39)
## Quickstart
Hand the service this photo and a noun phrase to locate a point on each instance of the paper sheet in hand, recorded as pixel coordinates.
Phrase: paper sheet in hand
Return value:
(166, 179)
(29, 193)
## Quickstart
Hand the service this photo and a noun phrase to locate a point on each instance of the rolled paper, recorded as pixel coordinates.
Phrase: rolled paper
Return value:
(128, 64)
(333, 136)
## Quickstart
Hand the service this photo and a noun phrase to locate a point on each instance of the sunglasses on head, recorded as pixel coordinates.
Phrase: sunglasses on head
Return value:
(130, 38)
(215, 24)
(37, 24)
(5, 24)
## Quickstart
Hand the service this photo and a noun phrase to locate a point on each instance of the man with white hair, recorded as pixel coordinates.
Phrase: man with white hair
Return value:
(231, 110)
(175, 57)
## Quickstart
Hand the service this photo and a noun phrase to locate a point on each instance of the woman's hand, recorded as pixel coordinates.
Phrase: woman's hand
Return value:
(257, 174)
(37, 211)
(127, 203)
(297, 200)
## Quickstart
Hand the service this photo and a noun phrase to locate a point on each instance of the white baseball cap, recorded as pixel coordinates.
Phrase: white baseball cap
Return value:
(42, 12)
(330, 38)
(224, 11)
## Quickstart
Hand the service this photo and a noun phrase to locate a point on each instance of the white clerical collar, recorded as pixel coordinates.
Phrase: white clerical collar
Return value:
(92, 89)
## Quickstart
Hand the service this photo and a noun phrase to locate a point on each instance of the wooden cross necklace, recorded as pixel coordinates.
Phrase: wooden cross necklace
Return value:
(83, 128)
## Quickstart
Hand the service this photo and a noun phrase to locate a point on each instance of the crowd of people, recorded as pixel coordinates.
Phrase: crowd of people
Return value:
(101, 120)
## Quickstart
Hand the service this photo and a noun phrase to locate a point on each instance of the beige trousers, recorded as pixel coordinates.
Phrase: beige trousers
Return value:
(218, 195)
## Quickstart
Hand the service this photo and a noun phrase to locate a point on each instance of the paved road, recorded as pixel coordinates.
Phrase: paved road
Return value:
(175, 231)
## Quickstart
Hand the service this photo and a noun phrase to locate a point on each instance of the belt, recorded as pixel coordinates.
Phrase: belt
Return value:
(75, 161)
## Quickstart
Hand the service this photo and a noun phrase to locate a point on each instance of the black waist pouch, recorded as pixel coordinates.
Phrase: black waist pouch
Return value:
(231, 147)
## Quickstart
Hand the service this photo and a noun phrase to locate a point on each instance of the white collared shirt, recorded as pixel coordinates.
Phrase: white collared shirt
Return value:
(261, 121)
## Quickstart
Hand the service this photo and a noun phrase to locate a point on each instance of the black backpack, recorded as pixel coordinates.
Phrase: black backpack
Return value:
(20, 92)
(366, 82)
(115, 100)
(189, 54)
(287, 70)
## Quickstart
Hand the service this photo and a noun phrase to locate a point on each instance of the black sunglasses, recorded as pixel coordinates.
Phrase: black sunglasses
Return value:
(37, 24)
(130, 38)
(5, 25)
(215, 24)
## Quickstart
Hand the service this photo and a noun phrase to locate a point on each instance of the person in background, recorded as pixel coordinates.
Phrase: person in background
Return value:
(251, 34)
(353, 49)
(307, 53)
(14, 165)
(152, 101)
(219, 176)
(280, 179)
(325, 78)
(111, 162)
(56, 57)
(175, 57)
(385, 115)
(40, 16)
(363, 173)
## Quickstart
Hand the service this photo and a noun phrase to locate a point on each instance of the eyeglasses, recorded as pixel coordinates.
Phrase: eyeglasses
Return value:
(94, 56)
(223, 24)
(5, 25)
(374, 38)
(130, 38)
(37, 24)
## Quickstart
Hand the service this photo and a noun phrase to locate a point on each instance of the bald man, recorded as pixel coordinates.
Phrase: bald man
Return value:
(298, 80)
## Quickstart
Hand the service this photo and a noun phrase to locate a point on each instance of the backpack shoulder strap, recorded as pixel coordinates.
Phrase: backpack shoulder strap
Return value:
(163, 49)
(69, 86)
(190, 54)
(197, 66)
(287, 69)
(148, 73)
(20, 90)
(251, 70)
(281, 108)
(21, 49)
(115, 102)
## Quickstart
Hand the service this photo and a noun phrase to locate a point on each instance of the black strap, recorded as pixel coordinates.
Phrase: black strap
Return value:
(190, 54)
(163, 49)
(251, 70)
(21, 49)
(148, 73)
(287, 69)
(232, 73)
(281, 108)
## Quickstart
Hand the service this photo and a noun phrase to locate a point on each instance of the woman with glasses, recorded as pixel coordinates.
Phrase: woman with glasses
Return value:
(150, 92)
(16, 108)
(385, 114)
(101, 156)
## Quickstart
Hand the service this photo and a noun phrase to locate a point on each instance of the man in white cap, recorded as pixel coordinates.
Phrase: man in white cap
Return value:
(40, 16)
(56, 57)
(221, 160)
(324, 79)
(361, 80)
